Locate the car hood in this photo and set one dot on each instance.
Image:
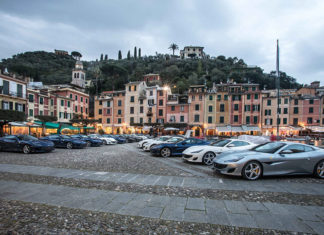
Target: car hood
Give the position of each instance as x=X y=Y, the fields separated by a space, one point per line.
x=239 y=154
x=43 y=142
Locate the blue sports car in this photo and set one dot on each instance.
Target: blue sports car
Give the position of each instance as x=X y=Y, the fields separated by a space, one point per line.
x=65 y=141
x=25 y=143
x=176 y=149
x=90 y=141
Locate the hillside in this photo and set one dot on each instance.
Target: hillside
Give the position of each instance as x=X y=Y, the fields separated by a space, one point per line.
x=53 y=69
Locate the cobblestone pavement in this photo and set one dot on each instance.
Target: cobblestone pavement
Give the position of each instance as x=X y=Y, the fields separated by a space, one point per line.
x=69 y=192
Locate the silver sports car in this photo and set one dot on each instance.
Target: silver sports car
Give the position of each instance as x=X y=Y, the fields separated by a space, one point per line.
x=274 y=158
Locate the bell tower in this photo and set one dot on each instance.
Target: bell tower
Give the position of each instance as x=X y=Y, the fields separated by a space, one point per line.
x=78 y=75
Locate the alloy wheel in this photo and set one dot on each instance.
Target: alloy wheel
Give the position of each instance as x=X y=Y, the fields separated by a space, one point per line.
x=208 y=158
x=165 y=152
x=26 y=149
x=320 y=169
x=252 y=171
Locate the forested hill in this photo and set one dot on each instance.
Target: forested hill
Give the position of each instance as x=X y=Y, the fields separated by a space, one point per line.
x=113 y=74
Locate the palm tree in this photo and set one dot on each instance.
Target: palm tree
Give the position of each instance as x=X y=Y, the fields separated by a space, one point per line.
x=173 y=47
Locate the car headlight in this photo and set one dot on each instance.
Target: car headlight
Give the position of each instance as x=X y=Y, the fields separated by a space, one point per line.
x=234 y=160
x=197 y=151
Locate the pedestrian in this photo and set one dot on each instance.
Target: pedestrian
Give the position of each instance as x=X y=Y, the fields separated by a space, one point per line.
x=272 y=137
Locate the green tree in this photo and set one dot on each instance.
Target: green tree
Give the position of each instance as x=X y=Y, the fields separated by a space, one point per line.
x=7 y=116
x=76 y=55
x=128 y=55
x=173 y=47
x=106 y=57
x=101 y=57
x=135 y=53
x=120 y=55
x=44 y=119
x=139 y=53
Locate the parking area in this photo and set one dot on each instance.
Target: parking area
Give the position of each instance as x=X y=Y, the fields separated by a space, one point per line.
x=142 y=194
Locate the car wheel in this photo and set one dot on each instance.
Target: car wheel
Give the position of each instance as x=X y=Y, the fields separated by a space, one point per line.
x=165 y=152
x=26 y=149
x=208 y=158
x=88 y=143
x=319 y=169
x=69 y=145
x=252 y=170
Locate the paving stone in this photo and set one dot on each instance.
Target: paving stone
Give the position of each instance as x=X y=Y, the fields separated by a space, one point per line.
x=292 y=223
x=302 y=212
x=255 y=206
x=176 y=181
x=317 y=227
x=173 y=213
x=124 y=197
x=196 y=204
x=214 y=204
x=195 y=216
x=158 y=201
x=264 y=219
x=236 y=207
x=275 y=208
x=217 y=216
x=150 y=211
x=112 y=207
x=177 y=202
x=242 y=220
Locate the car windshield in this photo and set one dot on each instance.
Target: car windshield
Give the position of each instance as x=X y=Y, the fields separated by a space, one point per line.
x=269 y=147
x=174 y=139
x=220 y=143
x=84 y=136
x=65 y=137
x=27 y=137
x=163 y=138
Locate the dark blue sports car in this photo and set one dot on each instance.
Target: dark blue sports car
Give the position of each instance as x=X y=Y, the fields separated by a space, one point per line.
x=65 y=141
x=120 y=140
x=176 y=149
x=90 y=141
x=25 y=143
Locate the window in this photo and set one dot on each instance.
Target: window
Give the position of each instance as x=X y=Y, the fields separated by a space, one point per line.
x=119 y=120
x=269 y=102
x=141 y=120
x=270 y=121
x=296 y=102
x=132 y=99
x=279 y=101
x=62 y=102
x=247 y=107
x=285 y=110
x=193 y=97
x=119 y=103
x=222 y=108
x=248 y=96
x=311 y=101
x=295 y=121
x=200 y=97
x=68 y=104
x=225 y=97
x=284 y=120
x=108 y=111
x=160 y=102
x=52 y=102
x=236 y=107
x=119 y=112
x=52 y=114
x=286 y=101
x=41 y=100
x=100 y=102
x=197 y=107
x=219 y=97
x=196 y=118
x=151 y=93
x=256 y=96
x=108 y=104
x=255 y=119
x=81 y=99
x=31 y=112
x=131 y=110
x=141 y=102
x=210 y=97
x=160 y=93
x=130 y=88
x=100 y=120
x=71 y=96
x=86 y=101
x=279 y=110
x=311 y=110
x=76 y=97
x=235 y=118
x=221 y=119
x=295 y=110
x=134 y=88
x=172 y=108
x=181 y=108
x=278 y=121
x=141 y=109
x=295 y=148
x=76 y=108
x=247 y=120
x=108 y=120
x=253 y=88
x=100 y=111
x=30 y=98
x=19 y=90
x=210 y=119
x=210 y=108
x=172 y=119
x=309 y=120
x=160 y=112
x=5 y=89
x=181 y=118
x=131 y=120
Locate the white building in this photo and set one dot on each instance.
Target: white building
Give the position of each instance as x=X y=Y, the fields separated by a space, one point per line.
x=190 y=52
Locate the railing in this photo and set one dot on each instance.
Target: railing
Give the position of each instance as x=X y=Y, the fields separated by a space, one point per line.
x=11 y=93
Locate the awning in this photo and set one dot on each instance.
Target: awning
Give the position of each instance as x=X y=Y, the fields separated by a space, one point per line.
x=17 y=124
x=49 y=125
x=237 y=129
x=251 y=128
x=70 y=127
x=171 y=129
x=295 y=128
x=223 y=128
x=316 y=128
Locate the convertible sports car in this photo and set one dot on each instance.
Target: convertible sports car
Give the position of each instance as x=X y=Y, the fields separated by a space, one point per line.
x=274 y=158
x=161 y=138
x=206 y=154
x=176 y=149
x=25 y=143
x=90 y=141
x=105 y=140
x=65 y=141
x=147 y=147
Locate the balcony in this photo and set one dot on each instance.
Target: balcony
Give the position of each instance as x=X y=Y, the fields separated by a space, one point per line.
x=149 y=114
x=12 y=94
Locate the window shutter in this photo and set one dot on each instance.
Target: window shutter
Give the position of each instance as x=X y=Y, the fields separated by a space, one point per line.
x=11 y=106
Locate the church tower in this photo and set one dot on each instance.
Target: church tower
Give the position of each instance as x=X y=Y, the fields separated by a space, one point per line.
x=78 y=75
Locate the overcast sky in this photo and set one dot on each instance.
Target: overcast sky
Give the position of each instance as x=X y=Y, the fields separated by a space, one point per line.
x=246 y=29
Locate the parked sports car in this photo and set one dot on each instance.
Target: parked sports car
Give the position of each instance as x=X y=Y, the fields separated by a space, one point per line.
x=65 y=141
x=176 y=149
x=119 y=139
x=90 y=141
x=274 y=158
x=25 y=143
x=147 y=147
x=105 y=140
x=206 y=154
x=161 y=138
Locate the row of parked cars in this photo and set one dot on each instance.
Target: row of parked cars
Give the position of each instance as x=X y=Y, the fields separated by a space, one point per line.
x=28 y=144
x=250 y=159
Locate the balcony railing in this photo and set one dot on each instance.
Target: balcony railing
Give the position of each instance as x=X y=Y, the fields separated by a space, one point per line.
x=11 y=93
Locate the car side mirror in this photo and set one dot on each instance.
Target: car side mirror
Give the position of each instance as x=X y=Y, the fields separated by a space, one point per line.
x=287 y=151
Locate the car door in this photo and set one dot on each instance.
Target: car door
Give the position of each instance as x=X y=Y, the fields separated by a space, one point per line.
x=10 y=143
x=180 y=147
x=55 y=139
